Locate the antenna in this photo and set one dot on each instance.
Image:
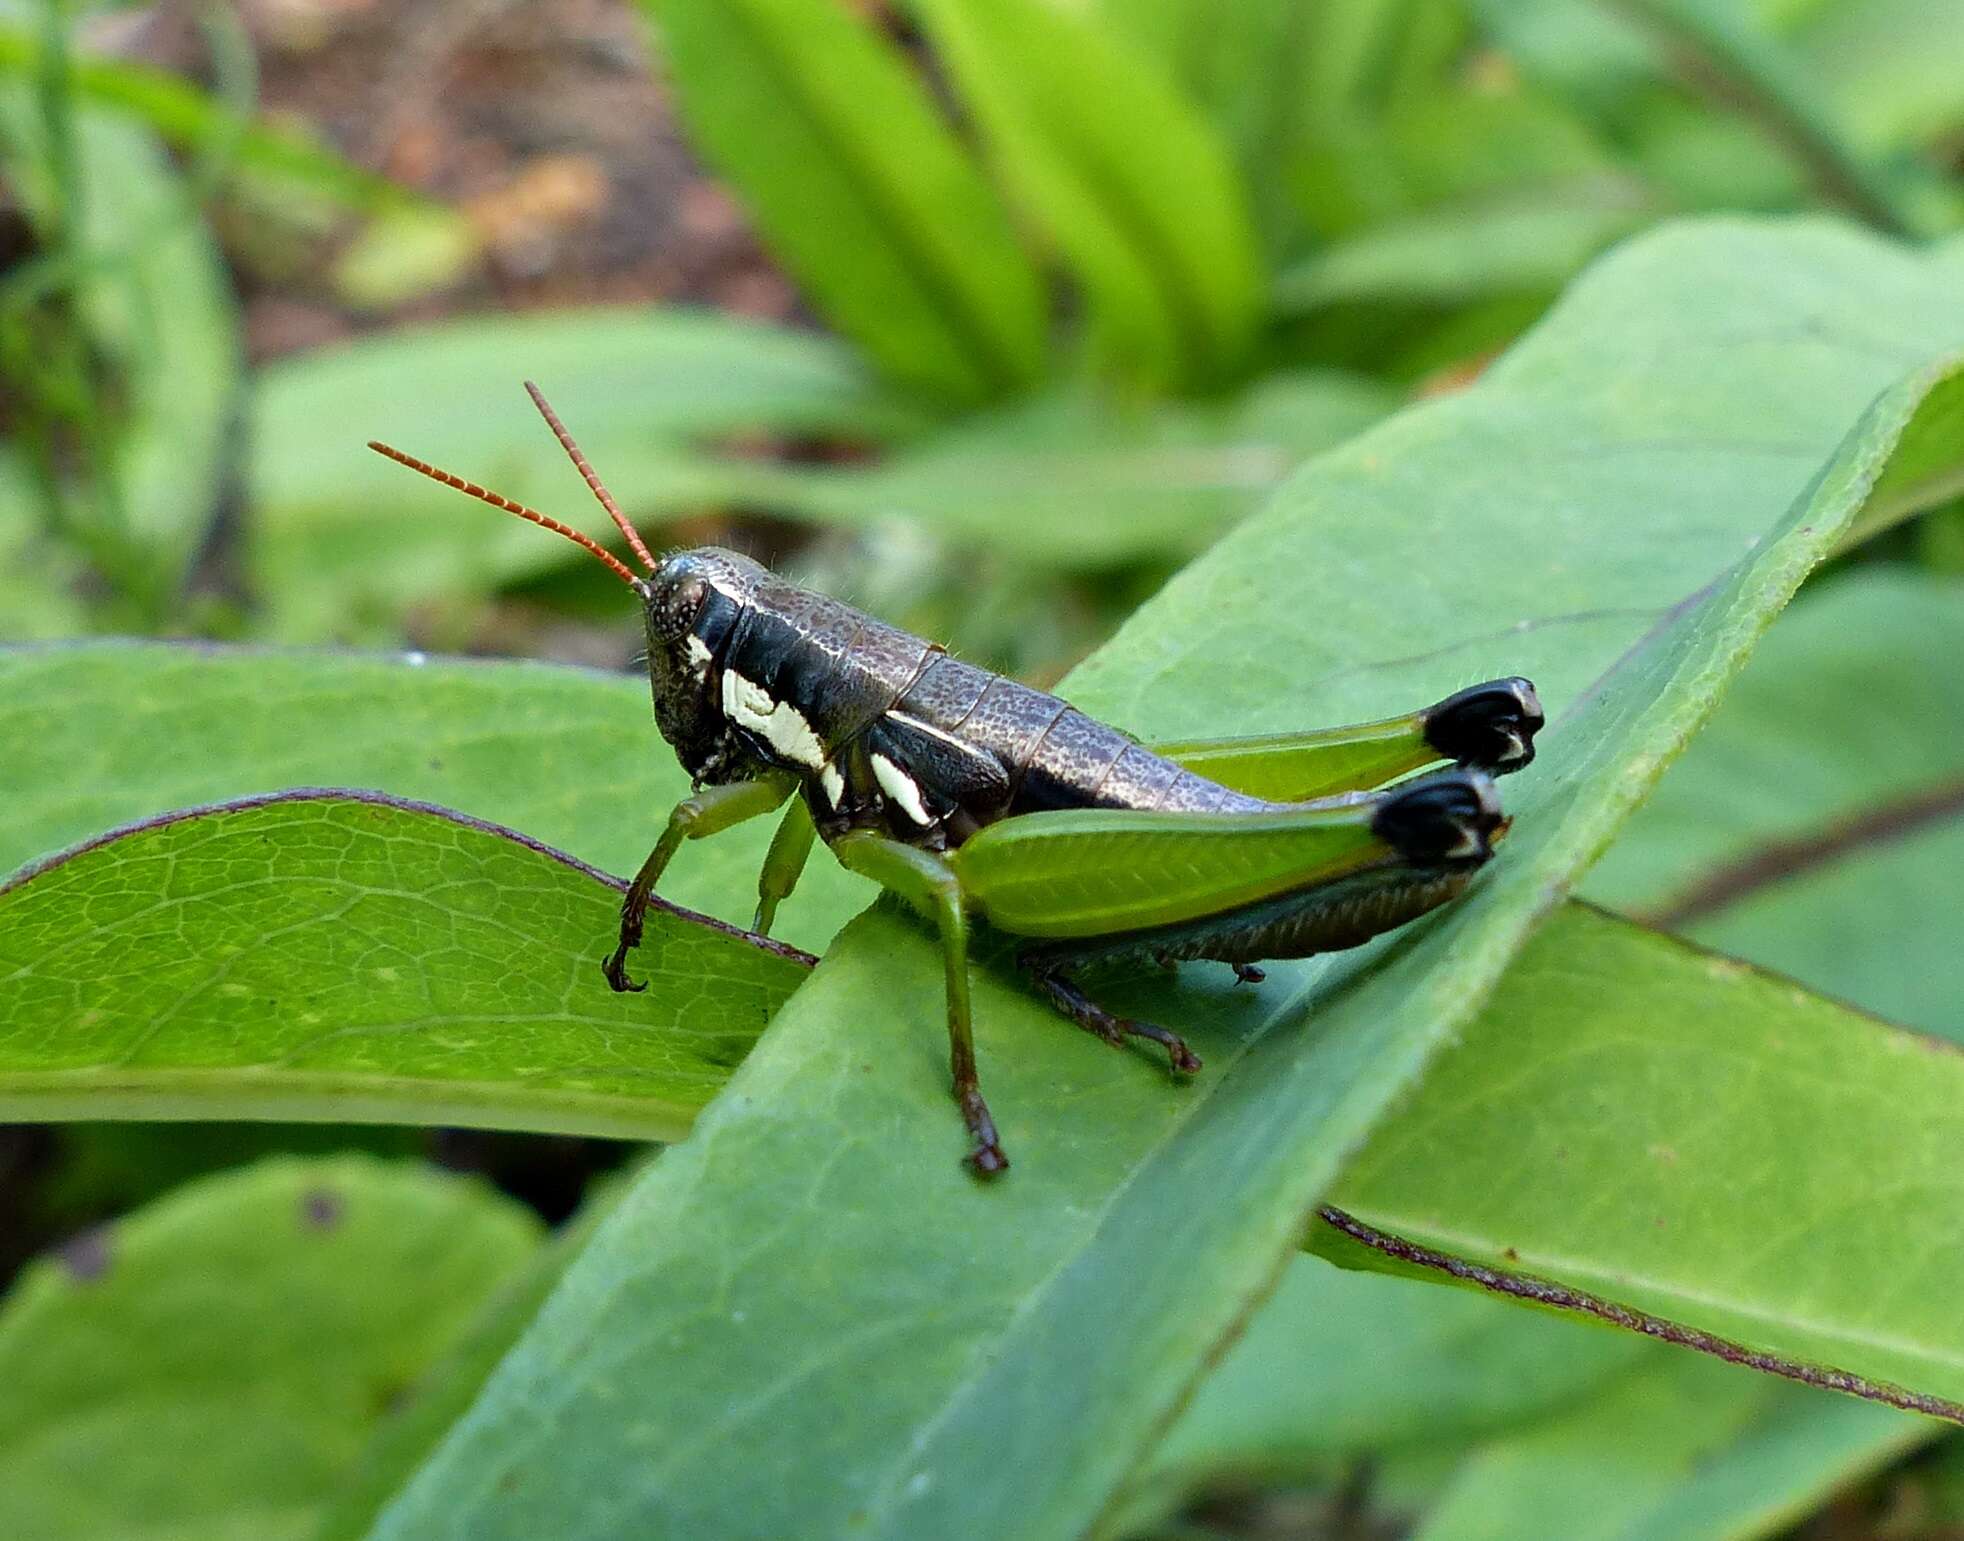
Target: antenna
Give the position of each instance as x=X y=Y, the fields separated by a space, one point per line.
x=606 y=498
x=483 y=495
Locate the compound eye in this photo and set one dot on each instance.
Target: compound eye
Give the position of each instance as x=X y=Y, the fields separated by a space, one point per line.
x=676 y=605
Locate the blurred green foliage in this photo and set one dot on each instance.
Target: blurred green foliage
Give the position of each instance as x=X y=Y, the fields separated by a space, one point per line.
x=1089 y=280
x=1065 y=218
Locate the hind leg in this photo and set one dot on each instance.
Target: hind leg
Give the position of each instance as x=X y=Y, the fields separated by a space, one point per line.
x=1063 y=993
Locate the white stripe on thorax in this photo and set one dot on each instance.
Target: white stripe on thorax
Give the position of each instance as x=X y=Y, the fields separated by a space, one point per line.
x=778 y=723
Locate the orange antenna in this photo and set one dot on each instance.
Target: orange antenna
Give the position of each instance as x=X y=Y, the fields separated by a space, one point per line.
x=606 y=498
x=483 y=495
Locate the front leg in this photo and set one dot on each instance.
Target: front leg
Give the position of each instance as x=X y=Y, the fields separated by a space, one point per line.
x=926 y=881
x=784 y=863
x=708 y=812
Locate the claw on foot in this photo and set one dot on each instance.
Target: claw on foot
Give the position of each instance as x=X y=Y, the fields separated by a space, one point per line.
x=987 y=1158
x=615 y=968
x=1248 y=974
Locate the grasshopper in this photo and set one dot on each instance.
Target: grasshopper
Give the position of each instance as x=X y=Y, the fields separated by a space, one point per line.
x=974 y=797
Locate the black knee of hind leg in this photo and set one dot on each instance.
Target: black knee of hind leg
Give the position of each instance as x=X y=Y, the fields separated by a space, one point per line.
x=1447 y=819
x=1491 y=725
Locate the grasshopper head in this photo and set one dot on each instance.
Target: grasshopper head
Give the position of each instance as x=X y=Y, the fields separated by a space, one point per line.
x=691 y=601
x=1448 y=820
x=1491 y=725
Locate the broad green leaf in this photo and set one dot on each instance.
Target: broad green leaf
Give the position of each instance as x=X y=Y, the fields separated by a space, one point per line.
x=1681 y=1450
x=1554 y=1428
x=402 y=1441
x=1818 y=827
x=860 y=188
x=332 y=957
x=569 y=755
x=1551 y=1427
x=1124 y=174
x=342 y=537
x=210 y=1367
x=1756 y=1170
x=1616 y=509
x=1831 y=721
x=112 y=732
x=1340 y=1365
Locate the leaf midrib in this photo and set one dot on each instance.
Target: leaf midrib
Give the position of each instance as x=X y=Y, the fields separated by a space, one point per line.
x=1618 y=1286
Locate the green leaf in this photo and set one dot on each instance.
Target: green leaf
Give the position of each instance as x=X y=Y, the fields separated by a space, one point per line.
x=1129 y=180
x=402 y=1441
x=334 y=957
x=1789 y=766
x=1616 y=509
x=1553 y=1427
x=1340 y=1365
x=1740 y=1193
x=860 y=188
x=109 y=733
x=344 y=539
x=1681 y=1450
x=1815 y=828
x=210 y=1367
x=1563 y=1429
